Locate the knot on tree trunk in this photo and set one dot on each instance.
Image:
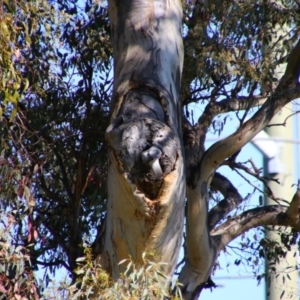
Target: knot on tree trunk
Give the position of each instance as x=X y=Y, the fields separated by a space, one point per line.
x=144 y=145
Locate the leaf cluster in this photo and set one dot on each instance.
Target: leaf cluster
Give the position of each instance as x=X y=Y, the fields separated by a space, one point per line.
x=233 y=47
x=17 y=279
x=137 y=282
x=18 y=24
x=53 y=156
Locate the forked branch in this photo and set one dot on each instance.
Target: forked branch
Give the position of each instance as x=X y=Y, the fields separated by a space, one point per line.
x=201 y=247
x=260 y=216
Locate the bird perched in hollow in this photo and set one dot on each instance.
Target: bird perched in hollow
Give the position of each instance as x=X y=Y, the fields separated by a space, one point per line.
x=151 y=157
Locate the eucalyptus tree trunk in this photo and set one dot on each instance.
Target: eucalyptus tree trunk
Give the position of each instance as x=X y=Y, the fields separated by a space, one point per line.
x=151 y=172
x=146 y=181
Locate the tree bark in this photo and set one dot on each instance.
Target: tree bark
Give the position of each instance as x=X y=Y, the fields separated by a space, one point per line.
x=201 y=248
x=146 y=181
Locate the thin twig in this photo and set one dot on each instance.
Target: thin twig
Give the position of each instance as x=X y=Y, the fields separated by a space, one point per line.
x=284 y=122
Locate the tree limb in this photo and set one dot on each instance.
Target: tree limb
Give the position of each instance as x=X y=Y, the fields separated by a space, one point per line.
x=218 y=152
x=292 y=211
x=193 y=140
x=231 y=201
x=50 y=194
x=255 y=173
x=284 y=122
x=201 y=249
x=260 y=216
x=240 y=103
x=55 y=263
x=201 y=252
x=227 y=105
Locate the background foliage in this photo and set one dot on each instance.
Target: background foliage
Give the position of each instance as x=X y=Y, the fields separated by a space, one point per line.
x=55 y=87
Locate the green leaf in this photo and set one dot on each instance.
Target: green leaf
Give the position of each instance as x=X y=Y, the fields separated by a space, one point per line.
x=79 y=259
x=134 y=286
x=122 y=261
x=26 y=84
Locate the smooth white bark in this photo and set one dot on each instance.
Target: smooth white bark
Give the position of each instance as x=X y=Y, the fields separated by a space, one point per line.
x=146 y=182
x=201 y=248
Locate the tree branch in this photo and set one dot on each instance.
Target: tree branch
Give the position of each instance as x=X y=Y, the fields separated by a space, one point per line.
x=284 y=122
x=260 y=216
x=50 y=194
x=218 y=152
x=231 y=201
x=292 y=211
x=227 y=105
x=201 y=252
x=201 y=248
x=55 y=263
x=240 y=103
x=193 y=140
x=255 y=173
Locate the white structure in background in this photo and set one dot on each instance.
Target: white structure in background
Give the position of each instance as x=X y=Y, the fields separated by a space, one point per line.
x=270 y=149
x=277 y=146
